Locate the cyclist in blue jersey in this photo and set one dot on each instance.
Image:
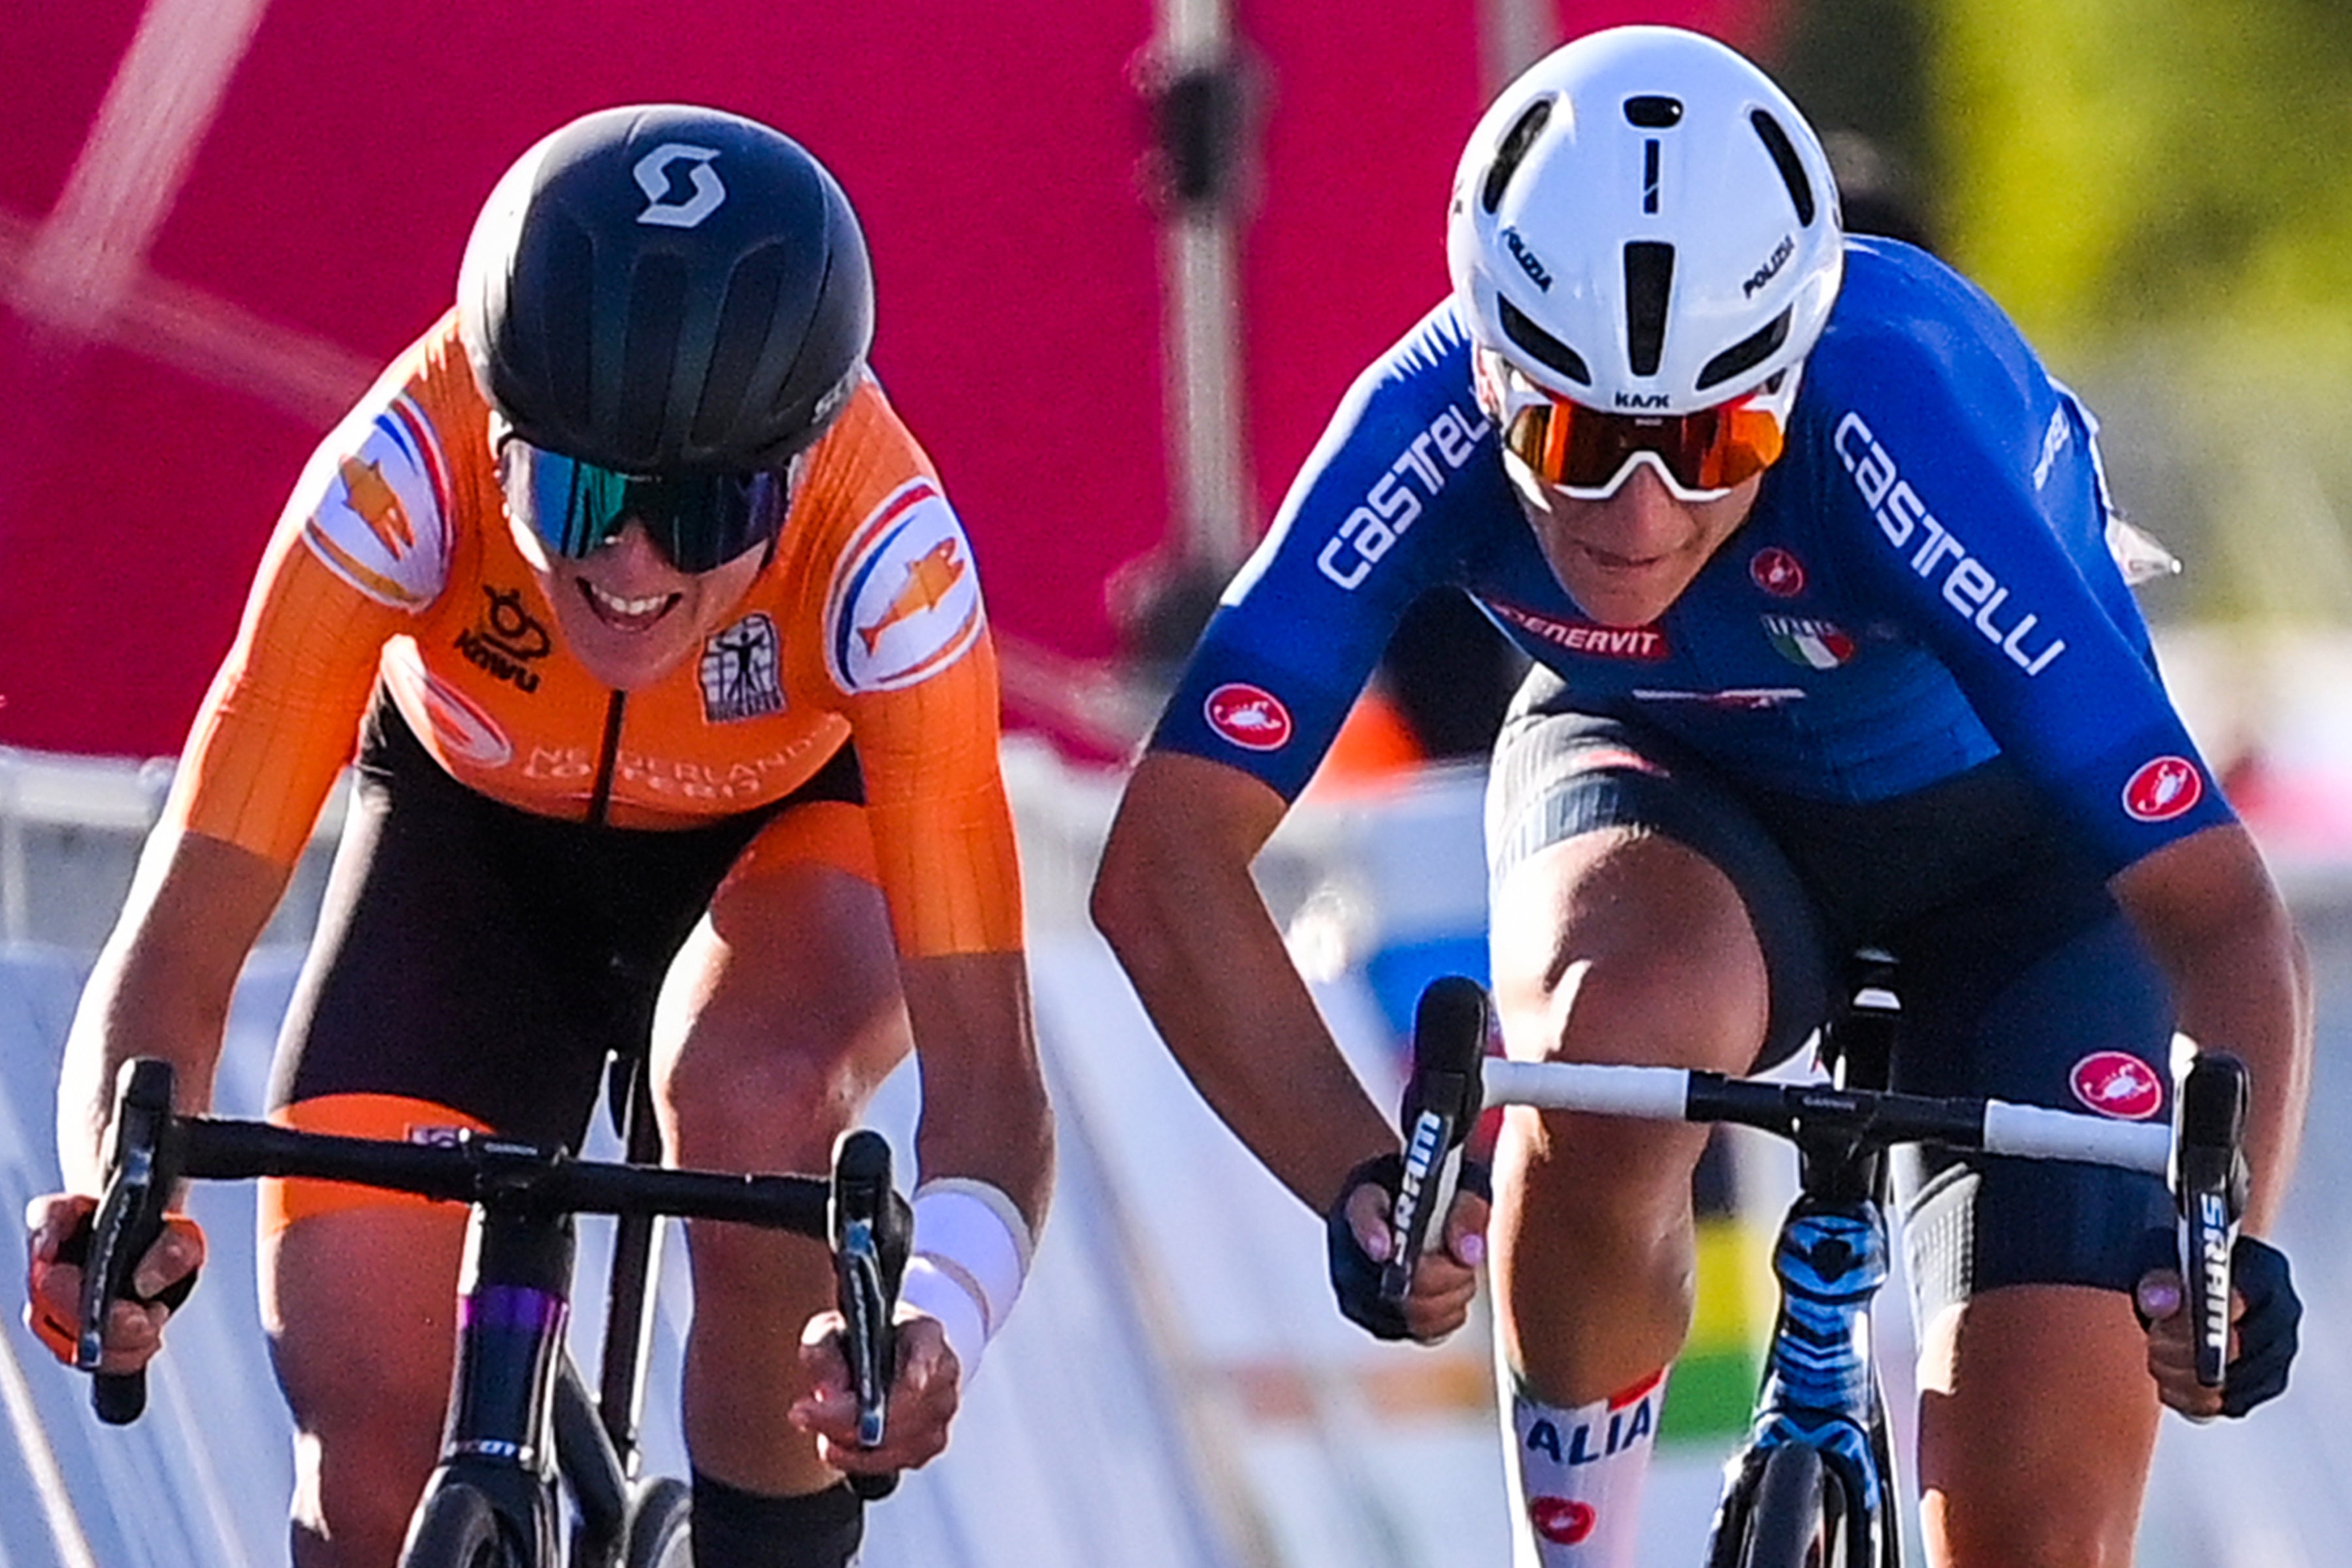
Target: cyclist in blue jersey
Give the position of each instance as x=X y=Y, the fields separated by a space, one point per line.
x=1817 y=566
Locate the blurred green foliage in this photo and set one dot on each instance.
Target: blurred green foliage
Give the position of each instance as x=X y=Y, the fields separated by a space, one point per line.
x=2112 y=166
x=2160 y=193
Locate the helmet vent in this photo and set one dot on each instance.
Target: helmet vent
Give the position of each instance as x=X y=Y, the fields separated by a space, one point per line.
x=565 y=276
x=1542 y=345
x=754 y=293
x=1784 y=158
x=1649 y=283
x=656 y=314
x=1752 y=350
x=1511 y=153
x=1652 y=112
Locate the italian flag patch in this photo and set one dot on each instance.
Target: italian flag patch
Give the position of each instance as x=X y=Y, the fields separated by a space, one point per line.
x=1816 y=645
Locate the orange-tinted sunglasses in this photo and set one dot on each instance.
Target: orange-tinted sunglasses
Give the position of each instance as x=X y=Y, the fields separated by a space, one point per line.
x=1590 y=454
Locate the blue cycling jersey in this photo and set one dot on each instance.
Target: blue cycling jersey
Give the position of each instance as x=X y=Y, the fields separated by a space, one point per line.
x=1924 y=582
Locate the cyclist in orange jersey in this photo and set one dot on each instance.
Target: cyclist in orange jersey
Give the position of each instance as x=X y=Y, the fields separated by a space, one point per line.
x=676 y=723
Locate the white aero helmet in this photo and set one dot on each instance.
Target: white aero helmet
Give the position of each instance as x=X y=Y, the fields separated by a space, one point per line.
x=1644 y=222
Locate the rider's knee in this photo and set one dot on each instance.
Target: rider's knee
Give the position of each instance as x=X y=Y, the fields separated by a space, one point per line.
x=1635 y=951
x=775 y=1106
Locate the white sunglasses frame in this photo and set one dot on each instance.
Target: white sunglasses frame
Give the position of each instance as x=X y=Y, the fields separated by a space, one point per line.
x=1496 y=381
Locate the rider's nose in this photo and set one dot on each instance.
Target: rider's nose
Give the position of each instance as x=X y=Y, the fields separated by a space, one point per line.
x=1643 y=515
x=631 y=548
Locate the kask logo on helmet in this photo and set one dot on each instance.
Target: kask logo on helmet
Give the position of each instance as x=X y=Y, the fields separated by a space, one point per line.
x=655 y=176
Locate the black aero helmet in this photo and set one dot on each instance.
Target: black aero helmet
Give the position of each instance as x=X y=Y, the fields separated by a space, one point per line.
x=661 y=287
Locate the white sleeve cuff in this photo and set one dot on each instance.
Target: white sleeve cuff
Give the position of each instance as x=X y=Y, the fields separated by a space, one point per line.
x=972 y=1250
x=930 y=1289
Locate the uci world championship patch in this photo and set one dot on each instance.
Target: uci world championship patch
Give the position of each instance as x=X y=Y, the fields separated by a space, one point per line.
x=905 y=601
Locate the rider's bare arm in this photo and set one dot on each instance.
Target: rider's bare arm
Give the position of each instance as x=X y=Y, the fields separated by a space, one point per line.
x=984 y=1108
x=161 y=988
x=1176 y=900
x=162 y=983
x=2240 y=980
x=985 y=1120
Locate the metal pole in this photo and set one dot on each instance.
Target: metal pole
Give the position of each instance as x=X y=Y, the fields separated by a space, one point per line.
x=1199 y=93
x=1512 y=35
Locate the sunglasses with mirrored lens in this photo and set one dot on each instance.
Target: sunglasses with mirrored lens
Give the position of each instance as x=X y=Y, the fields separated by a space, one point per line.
x=1589 y=454
x=698 y=521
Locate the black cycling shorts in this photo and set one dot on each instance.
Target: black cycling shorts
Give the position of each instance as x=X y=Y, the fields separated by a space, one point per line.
x=2020 y=976
x=486 y=959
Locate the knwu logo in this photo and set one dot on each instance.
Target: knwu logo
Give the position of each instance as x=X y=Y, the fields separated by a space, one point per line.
x=655 y=177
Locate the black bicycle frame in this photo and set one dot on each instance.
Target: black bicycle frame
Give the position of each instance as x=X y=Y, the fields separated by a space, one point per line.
x=514 y=1307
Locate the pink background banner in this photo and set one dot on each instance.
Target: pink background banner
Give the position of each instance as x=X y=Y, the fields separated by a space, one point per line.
x=219 y=218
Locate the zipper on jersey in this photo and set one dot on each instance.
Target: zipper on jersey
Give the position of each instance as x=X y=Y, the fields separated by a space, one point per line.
x=600 y=803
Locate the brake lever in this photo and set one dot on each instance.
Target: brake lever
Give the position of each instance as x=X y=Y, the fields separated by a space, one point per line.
x=2209 y=1182
x=1441 y=1100
x=140 y=1176
x=869 y=1224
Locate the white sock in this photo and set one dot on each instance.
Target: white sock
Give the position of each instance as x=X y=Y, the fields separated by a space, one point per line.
x=1576 y=1476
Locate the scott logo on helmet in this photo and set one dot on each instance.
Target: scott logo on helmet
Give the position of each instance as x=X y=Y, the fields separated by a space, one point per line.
x=654 y=176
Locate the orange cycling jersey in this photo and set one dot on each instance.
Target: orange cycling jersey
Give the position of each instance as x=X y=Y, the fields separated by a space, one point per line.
x=396 y=562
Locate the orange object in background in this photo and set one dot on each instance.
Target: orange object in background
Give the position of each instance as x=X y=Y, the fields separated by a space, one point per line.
x=1375 y=748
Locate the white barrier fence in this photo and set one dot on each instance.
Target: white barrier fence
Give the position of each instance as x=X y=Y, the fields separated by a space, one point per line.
x=1176 y=1391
